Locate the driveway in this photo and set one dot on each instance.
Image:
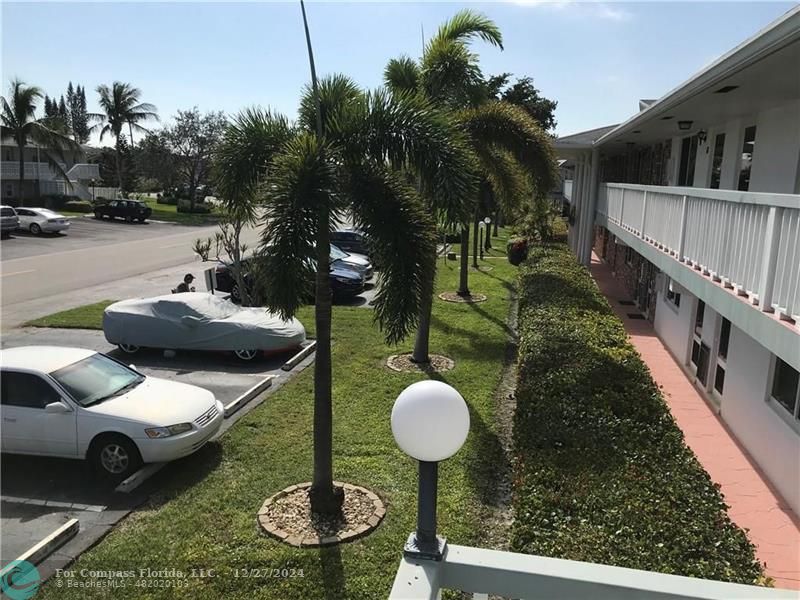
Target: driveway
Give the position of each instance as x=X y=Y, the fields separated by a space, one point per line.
x=41 y=494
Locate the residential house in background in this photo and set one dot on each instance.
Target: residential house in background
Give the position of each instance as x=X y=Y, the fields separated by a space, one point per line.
x=694 y=202
x=41 y=179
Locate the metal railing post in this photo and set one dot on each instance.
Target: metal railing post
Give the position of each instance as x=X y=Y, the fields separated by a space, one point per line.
x=770 y=258
x=682 y=235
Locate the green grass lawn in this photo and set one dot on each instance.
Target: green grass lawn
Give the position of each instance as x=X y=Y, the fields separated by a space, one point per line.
x=89 y=316
x=168 y=212
x=204 y=514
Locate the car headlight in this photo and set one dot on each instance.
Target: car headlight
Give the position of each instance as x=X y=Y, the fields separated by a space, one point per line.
x=162 y=432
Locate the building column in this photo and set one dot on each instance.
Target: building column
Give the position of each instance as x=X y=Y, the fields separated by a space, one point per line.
x=577 y=197
x=585 y=255
x=583 y=217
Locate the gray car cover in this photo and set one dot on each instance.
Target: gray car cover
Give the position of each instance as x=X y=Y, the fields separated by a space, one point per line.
x=198 y=321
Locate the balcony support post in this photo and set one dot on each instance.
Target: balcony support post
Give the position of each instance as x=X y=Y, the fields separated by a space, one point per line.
x=682 y=235
x=621 y=207
x=644 y=216
x=590 y=206
x=770 y=258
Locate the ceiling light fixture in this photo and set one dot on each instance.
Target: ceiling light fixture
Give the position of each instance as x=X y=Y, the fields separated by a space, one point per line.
x=685 y=125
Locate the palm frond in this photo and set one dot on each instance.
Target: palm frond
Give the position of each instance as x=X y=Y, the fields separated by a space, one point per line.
x=336 y=93
x=391 y=213
x=466 y=25
x=509 y=181
x=240 y=161
x=402 y=75
x=450 y=72
x=302 y=181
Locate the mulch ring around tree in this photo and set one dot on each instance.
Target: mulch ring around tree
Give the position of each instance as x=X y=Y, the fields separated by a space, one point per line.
x=454 y=297
x=482 y=268
x=403 y=364
x=287 y=517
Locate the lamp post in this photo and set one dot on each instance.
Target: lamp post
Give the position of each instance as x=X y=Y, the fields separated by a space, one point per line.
x=481 y=225
x=430 y=422
x=488 y=240
x=93 y=184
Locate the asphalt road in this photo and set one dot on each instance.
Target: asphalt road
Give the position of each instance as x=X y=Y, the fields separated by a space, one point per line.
x=92 y=253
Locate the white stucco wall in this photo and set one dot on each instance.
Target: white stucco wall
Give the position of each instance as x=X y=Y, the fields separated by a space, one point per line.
x=673 y=325
x=773 y=444
x=777 y=149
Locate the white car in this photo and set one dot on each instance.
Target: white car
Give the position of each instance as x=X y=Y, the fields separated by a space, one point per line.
x=77 y=403
x=38 y=220
x=356 y=262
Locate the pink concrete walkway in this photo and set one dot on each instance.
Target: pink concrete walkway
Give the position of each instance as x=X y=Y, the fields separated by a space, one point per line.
x=754 y=504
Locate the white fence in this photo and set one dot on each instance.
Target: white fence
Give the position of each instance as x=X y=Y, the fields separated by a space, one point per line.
x=748 y=241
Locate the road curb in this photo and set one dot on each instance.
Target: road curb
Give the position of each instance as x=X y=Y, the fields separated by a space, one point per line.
x=138 y=478
x=295 y=360
x=254 y=391
x=47 y=546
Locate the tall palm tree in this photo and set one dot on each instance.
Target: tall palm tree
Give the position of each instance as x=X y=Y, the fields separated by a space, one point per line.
x=357 y=167
x=121 y=105
x=448 y=75
x=20 y=123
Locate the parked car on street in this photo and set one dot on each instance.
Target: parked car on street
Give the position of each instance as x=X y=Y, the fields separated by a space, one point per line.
x=351 y=240
x=357 y=262
x=41 y=220
x=77 y=403
x=346 y=281
x=9 y=220
x=130 y=210
x=199 y=321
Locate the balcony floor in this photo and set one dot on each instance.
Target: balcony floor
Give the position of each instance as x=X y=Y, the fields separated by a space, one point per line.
x=754 y=504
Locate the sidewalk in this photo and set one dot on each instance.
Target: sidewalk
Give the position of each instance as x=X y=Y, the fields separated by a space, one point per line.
x=754 y=504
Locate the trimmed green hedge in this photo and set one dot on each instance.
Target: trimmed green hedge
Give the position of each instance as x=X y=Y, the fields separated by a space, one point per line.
x=602 y=473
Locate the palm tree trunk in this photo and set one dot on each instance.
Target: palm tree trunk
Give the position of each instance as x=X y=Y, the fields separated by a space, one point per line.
x=119 y=165
x=21 y=172
x=475 y=227
x=322 y=495
x=463 y=279
x=422 y=341
x=130 y=130
x=487 y=242
x=496 y=223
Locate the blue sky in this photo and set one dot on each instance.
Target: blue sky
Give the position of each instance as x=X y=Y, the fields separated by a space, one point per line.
x=595 y=58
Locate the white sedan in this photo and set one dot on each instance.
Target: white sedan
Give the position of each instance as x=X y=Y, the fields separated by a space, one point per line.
x=76 y=403
x=38 y=220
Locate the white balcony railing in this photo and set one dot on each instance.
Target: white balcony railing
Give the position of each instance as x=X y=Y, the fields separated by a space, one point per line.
x=9 y=169
x=84 y=172
x=748 y=241
x=568 y=189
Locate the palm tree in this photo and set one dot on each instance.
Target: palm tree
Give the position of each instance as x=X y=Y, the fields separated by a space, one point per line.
x=448 y=75
x=121 y=104
x=307 y=181
x=20 y=123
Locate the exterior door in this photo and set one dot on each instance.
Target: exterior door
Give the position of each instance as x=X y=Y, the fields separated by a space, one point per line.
x=26 y=427
x=688 y=159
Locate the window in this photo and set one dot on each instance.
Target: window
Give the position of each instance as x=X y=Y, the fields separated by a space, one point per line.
x=716 y=161
x=748 y=146
x=9 y=190
x=629 y=255
x=724 y=338
x=785 y=387
x=670 y=293
x=698 y=320
x=719 y=379
x=688 y=158
x=695 y=353
x=26 y=390
x=96 y=378
x=8 y=155
x=702 y=363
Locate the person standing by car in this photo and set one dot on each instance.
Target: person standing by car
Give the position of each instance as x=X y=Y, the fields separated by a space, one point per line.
x=185 y=285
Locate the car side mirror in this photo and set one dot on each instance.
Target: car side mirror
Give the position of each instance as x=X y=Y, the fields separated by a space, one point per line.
x=57 y=408
x=132 y=367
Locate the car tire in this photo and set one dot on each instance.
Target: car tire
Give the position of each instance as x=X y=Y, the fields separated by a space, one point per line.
x=129 y=348
x=236 y=298
x=141 y=219
x=35 y=229
x=114 y=456
x=129 y=219
x=246 y=355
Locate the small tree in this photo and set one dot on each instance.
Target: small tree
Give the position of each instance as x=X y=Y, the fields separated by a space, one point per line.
x=154 y=160
x=192 y=140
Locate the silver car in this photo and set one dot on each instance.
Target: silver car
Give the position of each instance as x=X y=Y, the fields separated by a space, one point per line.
x=8 y=220
x=41 y=220
x=355 y=262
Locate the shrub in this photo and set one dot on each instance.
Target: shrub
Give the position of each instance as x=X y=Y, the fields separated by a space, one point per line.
x=602 y=473
x=57 y=201
x=199 y=209
x=517 y=250
x=80 y=206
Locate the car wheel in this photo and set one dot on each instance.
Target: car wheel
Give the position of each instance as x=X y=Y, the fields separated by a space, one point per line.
x=129 y=219
x=114 y=456
x=35 y=229
x=128 y=348
x=141 y=219
x=246 y=355
x=235 y=296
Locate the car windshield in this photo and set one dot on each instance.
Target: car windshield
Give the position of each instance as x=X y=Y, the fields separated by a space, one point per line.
x=96 y=378
x=337 y=253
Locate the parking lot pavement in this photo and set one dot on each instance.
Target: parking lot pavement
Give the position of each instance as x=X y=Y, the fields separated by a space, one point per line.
x=40 y=494
x=86 y=232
